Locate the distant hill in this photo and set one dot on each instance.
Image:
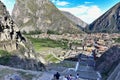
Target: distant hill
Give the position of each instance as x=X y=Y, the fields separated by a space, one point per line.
x=42 y=15
x=108 y=22
x=75 y=19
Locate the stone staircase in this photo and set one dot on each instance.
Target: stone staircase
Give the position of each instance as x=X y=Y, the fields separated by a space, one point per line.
x=85 y=72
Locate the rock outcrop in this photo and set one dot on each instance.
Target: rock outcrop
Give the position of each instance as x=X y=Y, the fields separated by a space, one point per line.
x=75 y=19
x=9 y=33
x=109 y=60
x=108 y=22
x=41 y=15
x=21 y=54
x=115 y=75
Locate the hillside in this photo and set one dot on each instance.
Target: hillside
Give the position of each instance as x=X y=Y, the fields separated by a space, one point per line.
x=108 y=22
x=75 y=19
x=41 y=16
x=115 y=75
x=107 y=63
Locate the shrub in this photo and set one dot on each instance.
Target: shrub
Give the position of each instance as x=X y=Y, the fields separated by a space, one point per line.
x=52 y=32
x=4 y=57
x=32 y=32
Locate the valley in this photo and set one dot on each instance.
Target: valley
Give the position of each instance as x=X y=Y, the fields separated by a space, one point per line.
x=37 y=40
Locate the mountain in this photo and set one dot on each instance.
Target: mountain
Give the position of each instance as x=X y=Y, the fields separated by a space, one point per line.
x=115 y=75
x=107 y=63
x=108 y=22
x=75 y=19
x=41 y=15
x=15 y=49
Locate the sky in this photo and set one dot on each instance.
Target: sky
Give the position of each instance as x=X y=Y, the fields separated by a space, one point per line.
x=9 y=4
x=87 y=10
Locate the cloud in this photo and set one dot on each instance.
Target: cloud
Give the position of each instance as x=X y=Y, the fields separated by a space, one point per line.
x=88 y=2
x=86 y=13
x=60 y=3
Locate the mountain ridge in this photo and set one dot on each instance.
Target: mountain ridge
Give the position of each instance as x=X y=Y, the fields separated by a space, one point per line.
x=42 y=17
x=108 y=22
x=75 y=19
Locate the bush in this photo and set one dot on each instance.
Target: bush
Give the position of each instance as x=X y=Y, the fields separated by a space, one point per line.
x=32 y=32
x=4 y=57
x=117 y=40
x=52 y=32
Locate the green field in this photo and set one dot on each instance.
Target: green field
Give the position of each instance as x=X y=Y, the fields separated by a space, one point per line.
x=40 y=44
x=52 y=58
x=50 y=49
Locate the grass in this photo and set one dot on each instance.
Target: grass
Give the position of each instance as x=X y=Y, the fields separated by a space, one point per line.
x=32 y=32
x=48 y=43
x=45 y=44
x=4 y=57
x=52 y=32
x=117 y=40
x=51 y=58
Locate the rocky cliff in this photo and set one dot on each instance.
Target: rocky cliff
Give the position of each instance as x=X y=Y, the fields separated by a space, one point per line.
x=15 y=49
x=41 y=15
x=115 y=75
x=108 y=61
x=108 y=22
x=75 y=19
